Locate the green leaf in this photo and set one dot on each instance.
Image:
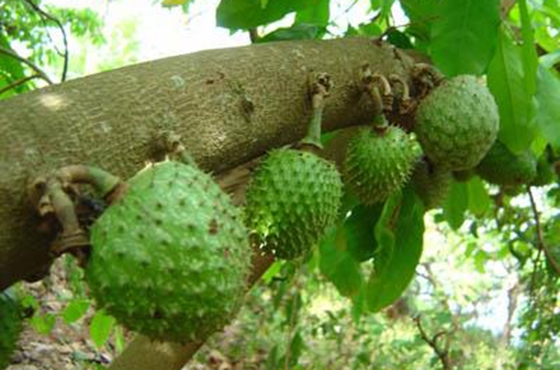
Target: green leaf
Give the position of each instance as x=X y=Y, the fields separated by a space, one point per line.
x=456 y=204
x=529 y=52
x=395 y=267
x=464 y=36
x=272 y=271
x=338 y=265
x=479 y=200
x=506 y=80
x=422 y=14
x=359 y=231
x=296 y=32
x=317 y=14
x=296 y=348
x=29 y=302
x=43 y=324
x=100 y=328
x=120 y=341
x=480 y=261
x=75 y=310
x=548 y=98
x=549 y=60
x=247 y=14
x=384 y=6
x=399 y=39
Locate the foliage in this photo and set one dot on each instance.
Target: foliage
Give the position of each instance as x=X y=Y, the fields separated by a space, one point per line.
x=28 y=28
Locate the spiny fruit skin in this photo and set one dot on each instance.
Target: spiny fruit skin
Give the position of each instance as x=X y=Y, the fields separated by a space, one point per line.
x=502 y=167
x=431 y=183
x=293 y=198
x=457 y=123
x=171 y=258
x=379 y=163
x=10 y=326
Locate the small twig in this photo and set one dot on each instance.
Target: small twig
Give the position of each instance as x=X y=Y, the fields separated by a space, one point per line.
x=61 y=27
x=442 y=354
x=29 y=63
x=17 y=83
x=540 y=238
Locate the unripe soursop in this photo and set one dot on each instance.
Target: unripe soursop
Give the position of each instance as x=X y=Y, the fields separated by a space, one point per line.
x=293 y=198
x=432 y=184
x=10 y=326
x=171 y=258
x=457 y=123
x=502 y=167
x=546 y=173
x=379 y=161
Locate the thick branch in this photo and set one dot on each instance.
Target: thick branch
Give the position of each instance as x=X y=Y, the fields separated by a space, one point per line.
x=229 y=106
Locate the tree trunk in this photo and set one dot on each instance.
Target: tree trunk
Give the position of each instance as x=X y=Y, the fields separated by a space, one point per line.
x=228 y=106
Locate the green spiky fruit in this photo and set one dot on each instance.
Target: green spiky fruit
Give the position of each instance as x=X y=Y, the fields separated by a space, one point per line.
x=378 y=162
x=10 y=326
x=293 y=198
x=457 y=123
x=500 y=166
x=545 y=172
x=431 y=183
x=170 y=259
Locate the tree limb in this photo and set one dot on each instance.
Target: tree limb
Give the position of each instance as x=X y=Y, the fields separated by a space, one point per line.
x=441 y=353
x=46 y=15
x=540 y=237
x=229 y=106
x=17 y=83
x=27 y=62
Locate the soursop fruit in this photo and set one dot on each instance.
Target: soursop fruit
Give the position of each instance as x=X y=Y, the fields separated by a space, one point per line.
x=502 y=167
x=457 y=123
x=171 y=258
x=293 y=198
x=10 y=326
x=379 y=161
x=545 y=172
x=463 y=175
x=431 y=183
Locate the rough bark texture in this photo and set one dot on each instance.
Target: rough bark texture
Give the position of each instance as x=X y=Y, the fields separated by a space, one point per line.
x=228 y=106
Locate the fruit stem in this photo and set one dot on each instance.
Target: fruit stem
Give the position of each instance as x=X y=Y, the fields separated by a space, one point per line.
x=319 y=90
x=379 y=90
x=101 y=180
x=73 y=238
x=426 y=77
x=173 y=146
x=405 y=102
x=380 y=124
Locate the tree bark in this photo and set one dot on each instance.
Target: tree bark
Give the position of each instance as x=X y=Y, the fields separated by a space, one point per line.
x=228 y=106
